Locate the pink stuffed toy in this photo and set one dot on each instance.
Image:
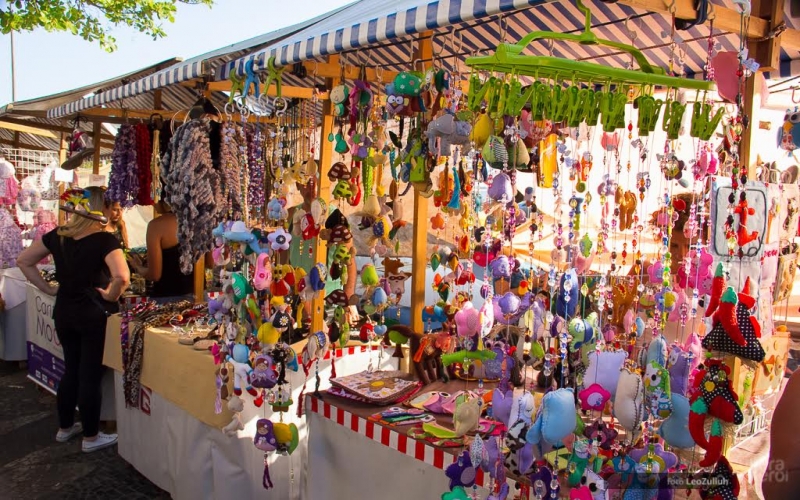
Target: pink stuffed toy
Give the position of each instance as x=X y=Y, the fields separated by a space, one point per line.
x=699 y=275
x=467 y=321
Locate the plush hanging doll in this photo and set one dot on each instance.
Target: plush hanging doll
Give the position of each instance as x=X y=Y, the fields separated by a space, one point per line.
x=747 y=326
x=723 y=483
x=743 y=236
x=713 y=396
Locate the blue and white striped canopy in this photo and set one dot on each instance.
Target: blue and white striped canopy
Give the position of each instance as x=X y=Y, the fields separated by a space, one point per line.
x=380 y=33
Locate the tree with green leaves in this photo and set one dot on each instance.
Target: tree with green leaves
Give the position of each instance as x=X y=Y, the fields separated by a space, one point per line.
x=90 y=19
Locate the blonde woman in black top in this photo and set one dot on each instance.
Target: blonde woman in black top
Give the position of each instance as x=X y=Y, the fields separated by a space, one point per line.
x=92 y=275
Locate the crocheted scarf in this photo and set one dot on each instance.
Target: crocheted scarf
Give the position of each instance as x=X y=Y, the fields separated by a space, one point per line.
x=195 y=190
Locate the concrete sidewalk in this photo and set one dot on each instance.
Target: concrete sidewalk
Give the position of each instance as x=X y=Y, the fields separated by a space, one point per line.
x=34 y=466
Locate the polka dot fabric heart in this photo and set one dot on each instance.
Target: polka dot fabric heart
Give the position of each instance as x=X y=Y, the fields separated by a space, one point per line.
x=723 y=483
x=719 y=340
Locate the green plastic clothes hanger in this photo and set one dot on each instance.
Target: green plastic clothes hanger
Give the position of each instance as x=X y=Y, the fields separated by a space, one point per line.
x=508 y=58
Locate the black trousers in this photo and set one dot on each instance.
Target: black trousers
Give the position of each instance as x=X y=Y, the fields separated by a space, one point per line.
x=82 y=335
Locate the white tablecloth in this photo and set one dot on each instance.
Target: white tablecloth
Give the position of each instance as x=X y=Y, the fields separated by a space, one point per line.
x=192 y=460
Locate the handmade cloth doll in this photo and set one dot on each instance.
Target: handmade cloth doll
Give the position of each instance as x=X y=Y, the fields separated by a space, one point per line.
x=9 y=188
x=10 y=240
x=240 y=359
x=713 y=396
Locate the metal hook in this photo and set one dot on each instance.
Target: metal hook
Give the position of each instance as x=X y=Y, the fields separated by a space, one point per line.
x=671 y=7
x=794 y=100
x=502 y=25
x=711 y=12
x=316 y=67
x=632 y=33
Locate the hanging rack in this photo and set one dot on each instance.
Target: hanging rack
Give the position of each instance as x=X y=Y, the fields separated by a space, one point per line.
x=508 y=58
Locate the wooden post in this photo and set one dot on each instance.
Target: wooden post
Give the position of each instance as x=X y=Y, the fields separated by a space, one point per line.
x=98 y=128
x=324 y=187
x=62 y=157
x=200 y=280
x=767 y=54
x=419 y=245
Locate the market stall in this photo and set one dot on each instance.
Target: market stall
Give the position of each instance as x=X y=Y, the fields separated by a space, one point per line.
x=551 y=220
x=174 y=437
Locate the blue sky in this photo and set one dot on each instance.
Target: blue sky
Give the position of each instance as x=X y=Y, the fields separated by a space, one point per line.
x=47 y=63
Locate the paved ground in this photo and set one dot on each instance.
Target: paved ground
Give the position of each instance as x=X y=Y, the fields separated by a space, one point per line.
x=34 y=466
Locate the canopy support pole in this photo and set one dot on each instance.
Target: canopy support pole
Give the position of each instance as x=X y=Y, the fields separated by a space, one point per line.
x=419 y=246
x=324 y=187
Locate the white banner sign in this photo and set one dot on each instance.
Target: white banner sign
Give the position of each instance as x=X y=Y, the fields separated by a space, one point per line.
x=45 y=355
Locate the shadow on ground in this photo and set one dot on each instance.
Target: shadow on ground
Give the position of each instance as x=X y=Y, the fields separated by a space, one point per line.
x=34 y=466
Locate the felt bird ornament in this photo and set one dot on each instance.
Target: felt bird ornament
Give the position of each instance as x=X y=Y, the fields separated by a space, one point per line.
x=657 y=391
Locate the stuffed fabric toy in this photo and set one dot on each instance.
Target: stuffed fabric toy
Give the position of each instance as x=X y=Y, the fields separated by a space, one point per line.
x=467 y=415
x=542 y=483
x=583 y=330
x=629 y=401
x=675 y=429
x=522 y=408
x=730 y=331
x=657 y=351
x=555 y=419
x=713 y=396
x=604 y=369
x=657 y=391
x=594 y=398
x=502 y=401
x=679 y=365
x=724 y=484
x=566 y=307
x=462 y=472
x=240 y=359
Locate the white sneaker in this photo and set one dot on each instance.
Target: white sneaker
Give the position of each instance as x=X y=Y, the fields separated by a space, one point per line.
x=103 y=441
x=64 y=436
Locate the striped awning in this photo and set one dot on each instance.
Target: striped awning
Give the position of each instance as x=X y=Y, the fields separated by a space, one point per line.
x=376 y=32
x=197 y=67
x=370 y=22
x=182 y=72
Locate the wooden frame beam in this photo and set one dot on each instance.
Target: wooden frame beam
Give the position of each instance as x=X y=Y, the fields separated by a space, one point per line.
x=287 y=91
x=45 y=126
x=25 y=129
x=118 y=116
x=22 y=145
x=768 y=52
x=724 y=19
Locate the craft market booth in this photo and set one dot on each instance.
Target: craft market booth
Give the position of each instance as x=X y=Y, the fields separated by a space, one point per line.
x=460 y=249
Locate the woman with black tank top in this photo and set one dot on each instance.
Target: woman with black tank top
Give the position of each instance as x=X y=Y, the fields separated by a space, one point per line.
x=91 y=274
x=163 y=255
